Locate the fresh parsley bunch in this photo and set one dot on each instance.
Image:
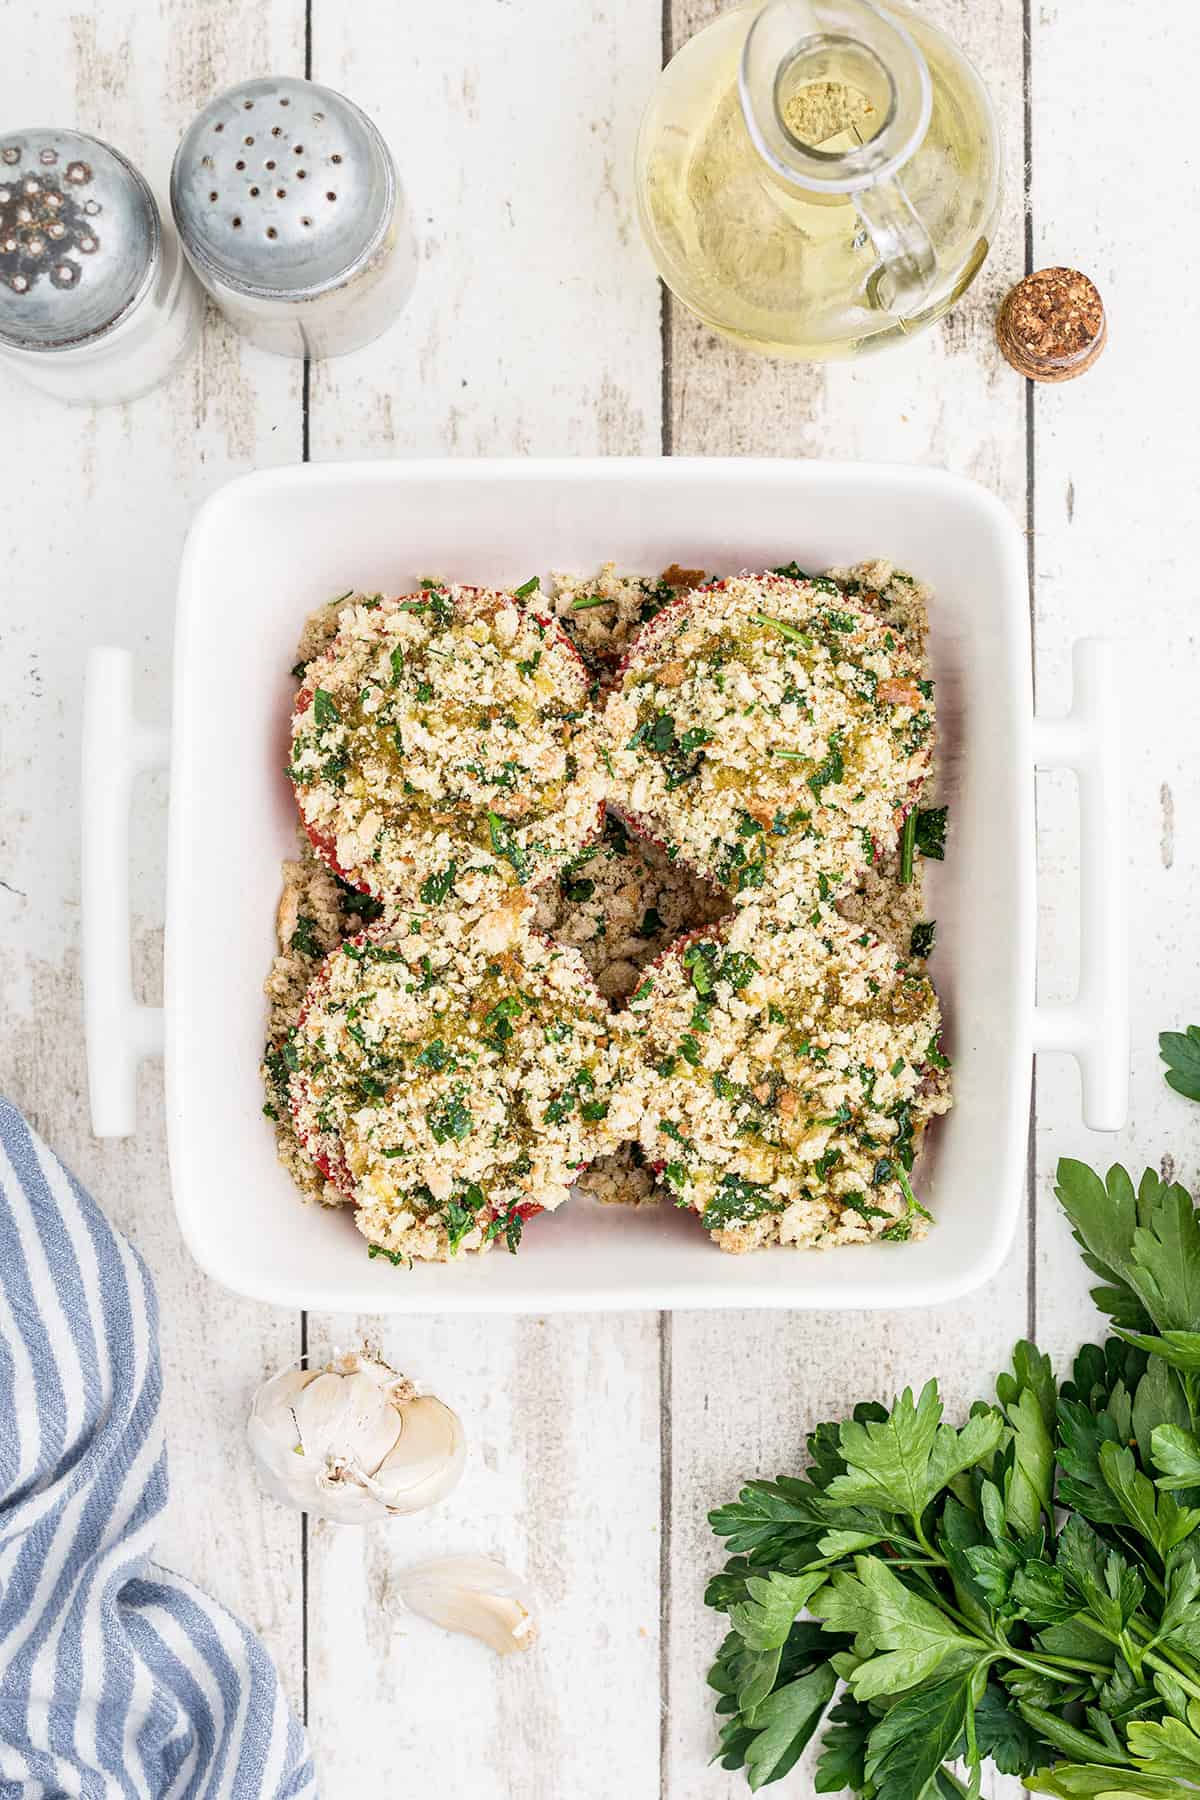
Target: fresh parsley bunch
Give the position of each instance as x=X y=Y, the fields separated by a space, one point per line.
x=1025 y=1590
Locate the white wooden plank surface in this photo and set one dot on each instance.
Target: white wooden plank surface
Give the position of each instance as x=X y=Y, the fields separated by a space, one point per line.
x=95 y=506
x=513 y=129
x=535 y=328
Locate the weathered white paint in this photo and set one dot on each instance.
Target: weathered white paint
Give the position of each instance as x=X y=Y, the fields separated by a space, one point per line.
x=535 y=327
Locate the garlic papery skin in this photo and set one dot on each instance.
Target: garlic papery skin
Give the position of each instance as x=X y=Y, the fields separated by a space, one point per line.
x=353 y=1441
x=473 y=1594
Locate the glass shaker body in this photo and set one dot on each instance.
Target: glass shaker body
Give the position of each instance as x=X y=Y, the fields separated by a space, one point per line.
x=290 y=210
x=97 y=305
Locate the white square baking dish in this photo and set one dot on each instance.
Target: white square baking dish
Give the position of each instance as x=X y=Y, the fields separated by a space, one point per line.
x=269 y=547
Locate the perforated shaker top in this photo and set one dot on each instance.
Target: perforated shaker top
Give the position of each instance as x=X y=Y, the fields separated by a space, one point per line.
x=79 y=238
x=282 y=189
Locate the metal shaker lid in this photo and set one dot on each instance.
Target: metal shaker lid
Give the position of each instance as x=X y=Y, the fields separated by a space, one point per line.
x=79 y=238
x=282 y=189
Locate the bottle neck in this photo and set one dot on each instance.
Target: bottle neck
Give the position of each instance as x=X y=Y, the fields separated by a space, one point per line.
x=835 y=93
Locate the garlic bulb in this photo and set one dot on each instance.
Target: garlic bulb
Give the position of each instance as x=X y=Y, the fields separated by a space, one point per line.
x=353 y=1441
x=473 y=1594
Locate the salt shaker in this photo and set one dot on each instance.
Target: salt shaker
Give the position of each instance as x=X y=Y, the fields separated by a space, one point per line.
x=96 y=303
x=290 y=211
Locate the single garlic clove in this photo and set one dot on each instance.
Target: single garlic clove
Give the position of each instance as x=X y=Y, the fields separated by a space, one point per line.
x=347 y=1415
x=475 y=1595
x=427 y=1459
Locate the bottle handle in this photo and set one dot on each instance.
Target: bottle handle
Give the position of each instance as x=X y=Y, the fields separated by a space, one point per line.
x=907 y=263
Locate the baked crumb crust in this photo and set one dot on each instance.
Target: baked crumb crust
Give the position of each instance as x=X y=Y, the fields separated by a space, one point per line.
x=620 y=902
x=770 y=732
x=442 y=747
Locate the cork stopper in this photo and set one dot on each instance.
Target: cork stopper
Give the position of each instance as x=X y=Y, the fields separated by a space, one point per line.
x=1051 y=326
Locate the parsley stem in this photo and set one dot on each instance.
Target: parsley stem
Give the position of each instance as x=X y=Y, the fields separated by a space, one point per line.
x=1169 y=1665
x=1073 y=1662
x=1173 y=1665
x=914 y=1205
x=784 y=630
x=1039 y=1664
x=925 y=1544
x=908 y=843
x=1163 y=1659
x=593 y=600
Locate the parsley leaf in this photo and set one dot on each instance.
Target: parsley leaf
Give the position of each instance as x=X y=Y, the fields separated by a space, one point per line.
x=765 y=1617
x=1170 y=1750
x=450 y=1118
x=435 y=888
x=924 y=935
x=1177 y=1453
x=931 y=831
x=504 y=844
x=844 y=1747
x=738 y=1201
x=304 y=939
x=900 y=1463
x=1180 y=1050
x=910 y=1743
x=497 y=1021
x=784 y=1723
x=324 y=710
x=831 y=770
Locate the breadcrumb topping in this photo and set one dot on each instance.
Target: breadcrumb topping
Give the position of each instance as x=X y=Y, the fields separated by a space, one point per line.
x=837 y=949
x=621 y=902
x=788 y=1074
x=603 y=613
x=770 y=731
x=454 y=1076
x=442 y=747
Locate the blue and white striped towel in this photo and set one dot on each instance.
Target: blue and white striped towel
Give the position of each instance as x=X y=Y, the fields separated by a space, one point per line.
x=116 y=1677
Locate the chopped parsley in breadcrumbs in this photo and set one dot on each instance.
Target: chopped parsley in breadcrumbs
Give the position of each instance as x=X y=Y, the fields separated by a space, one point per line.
x=603 y=613
x=316 y=913
x=451 y=1079
x=788 y=1074
x=621 y=902
x=442 y=747
x=770 y=733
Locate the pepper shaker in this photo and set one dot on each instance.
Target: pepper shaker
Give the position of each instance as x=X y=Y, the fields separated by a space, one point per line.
x=96 y=303
x=289 y=209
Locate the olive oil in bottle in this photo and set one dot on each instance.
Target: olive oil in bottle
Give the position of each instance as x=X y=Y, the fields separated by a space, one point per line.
x=818 y=178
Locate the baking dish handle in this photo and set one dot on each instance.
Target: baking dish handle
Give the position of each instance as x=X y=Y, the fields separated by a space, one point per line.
x=118 y=1030
x=1094 y=1027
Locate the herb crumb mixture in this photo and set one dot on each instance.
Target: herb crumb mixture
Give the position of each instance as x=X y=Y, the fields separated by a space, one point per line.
x=788 y=1074
x=316 y=913
x=768 y=723
x=813 y=1146
x=452 y=1079
x=621 y=902
x=603 y=613
x=440 y=746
